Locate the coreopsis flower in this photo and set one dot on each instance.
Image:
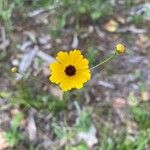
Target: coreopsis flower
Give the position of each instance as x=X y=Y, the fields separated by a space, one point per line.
x=120 y=48
x=70 y=70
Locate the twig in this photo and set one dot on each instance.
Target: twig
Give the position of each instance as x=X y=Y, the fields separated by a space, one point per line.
x=132 y=29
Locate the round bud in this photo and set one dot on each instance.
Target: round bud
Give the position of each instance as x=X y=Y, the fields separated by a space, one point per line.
x=120 y=48
x=14 y=69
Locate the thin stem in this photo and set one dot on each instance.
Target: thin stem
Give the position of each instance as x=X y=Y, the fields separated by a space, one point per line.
x=104 y=61
x=65 y=120
x=33 y=77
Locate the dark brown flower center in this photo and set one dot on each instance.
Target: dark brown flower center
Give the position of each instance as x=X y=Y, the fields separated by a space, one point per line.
x=70 y=70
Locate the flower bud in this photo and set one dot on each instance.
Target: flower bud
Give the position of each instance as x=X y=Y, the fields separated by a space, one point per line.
x=14 y=69
x=120 y=49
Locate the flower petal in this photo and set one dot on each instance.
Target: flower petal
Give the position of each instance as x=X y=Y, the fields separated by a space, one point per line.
x=63 y=58
x=56 y=78
x=75 y=56
x=56 y=67
x=83 y=64
x=65 y=84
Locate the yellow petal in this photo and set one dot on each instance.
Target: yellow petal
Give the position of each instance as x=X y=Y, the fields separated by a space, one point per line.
x=83 y=76
x=56 y=67
x=83 y=64
x=79 y=85
x=65 y=84
x=75 y=56
x=80 y=78
x=85 y=73
x=63 y=58
x=57 y=77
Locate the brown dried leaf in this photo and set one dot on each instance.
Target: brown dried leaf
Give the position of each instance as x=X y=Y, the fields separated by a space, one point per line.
x=89 y=137
x=27 y=59
x=145 y=96
x=111 y=26
x=75 y=41
x=119 y=103
x=57 y=92
x=131 y=127
x=3 y=143
x=121 y=19
x=31 y=127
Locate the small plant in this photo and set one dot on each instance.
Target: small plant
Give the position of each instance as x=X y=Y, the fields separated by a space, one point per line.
x=67 y=133
x=81 y=146
x=28 y=95
x=84 y=121
x=136 y=19
x=70 y=70
x=65 y=9
x=137 y=143
x=141 y=114
x=6 y=10
x=13 y=136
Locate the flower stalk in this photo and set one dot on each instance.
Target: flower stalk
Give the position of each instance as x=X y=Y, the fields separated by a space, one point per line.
x=104 y=61
x=14 y=70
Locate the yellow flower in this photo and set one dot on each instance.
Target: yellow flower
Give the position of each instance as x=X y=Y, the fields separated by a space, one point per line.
x=70 y=70
x=120 y=48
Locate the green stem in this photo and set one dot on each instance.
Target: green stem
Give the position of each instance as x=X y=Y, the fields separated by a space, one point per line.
x=33 y=77
x=104 y=61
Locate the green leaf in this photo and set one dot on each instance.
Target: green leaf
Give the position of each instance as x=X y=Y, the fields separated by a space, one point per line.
x=82 y=9
x=91 y=55
x=62 y=22
x=17 y=120
x=141 y=114
x=81 y=146
x=95 y=15
x=84 y=121
x=11 y=138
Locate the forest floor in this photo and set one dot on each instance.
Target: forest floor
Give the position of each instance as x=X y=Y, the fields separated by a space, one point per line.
x=111 y=112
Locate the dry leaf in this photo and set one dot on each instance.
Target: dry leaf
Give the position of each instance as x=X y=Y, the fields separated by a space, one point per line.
x=89 y=137
x=131 y=127
x=75 y=41
x=111 y=26
x=141 y=41
x=31 y=127
x=106 y=84
x=46 y=71
x=119 y=103
x=47 y=58
x=121 y=19
x=57 y=92
x=3 y=143
x=145 y=95
x=27 y=59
